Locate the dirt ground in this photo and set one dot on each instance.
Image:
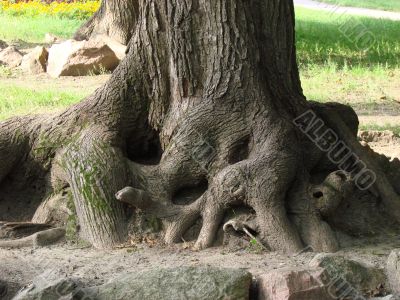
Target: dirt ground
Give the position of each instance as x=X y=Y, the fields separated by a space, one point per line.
x=383 y=142
x=67 y=83
x=20 y=267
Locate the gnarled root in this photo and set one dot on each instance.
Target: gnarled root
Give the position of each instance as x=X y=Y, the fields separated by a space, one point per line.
x=291 y=212
x=259 y=182
x=327 y=196
x=94 y=169
x=39 y=239
x=178 y=218
x=310 y=205
x=20 y=229
x=387 y=192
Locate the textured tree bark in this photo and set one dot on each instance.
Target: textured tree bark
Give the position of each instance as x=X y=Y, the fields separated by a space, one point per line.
x=206 y=97
x=115 y=19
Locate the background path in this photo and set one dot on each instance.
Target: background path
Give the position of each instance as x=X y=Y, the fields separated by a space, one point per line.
x=373 y=13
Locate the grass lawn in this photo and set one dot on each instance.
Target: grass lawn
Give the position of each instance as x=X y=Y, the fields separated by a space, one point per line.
x=369 y=91
x=32 y=30
x=16 y=100
x=319 y=37
x=324 y=39
x=334 y=68
x=390 y=5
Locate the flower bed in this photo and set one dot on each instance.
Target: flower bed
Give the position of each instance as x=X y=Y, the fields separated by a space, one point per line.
x=61 y=9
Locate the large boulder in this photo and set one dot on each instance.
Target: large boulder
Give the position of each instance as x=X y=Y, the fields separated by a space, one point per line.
x=118 y=48
x=66 y=289
x=79 y=58
x=393 y=271
x=349 y=277
x=181 y=283
x=293 y=284
x=11 y=57
x=35 y=61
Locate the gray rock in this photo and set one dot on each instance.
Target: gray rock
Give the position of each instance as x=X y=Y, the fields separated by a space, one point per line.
x=79 y=58
x=182 y=283
x=393 y=271
x=348 y=276
x=65 y=289
x=11 y=57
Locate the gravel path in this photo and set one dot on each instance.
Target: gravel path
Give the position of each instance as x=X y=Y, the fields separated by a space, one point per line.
x=373 y=13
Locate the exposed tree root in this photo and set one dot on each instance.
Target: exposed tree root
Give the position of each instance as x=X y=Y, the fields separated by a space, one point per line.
x=328 y=195
x=310 y=205
x=386 y=190
x=203 y=106
x=39 y=239
x=20 y=229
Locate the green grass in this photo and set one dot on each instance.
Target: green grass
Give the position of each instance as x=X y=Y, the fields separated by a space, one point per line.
x=368 y=90
x=319 y=37
x=33 y=30
x=322 y=40
x=390 y=5
x=15 y=100
x=334 y=68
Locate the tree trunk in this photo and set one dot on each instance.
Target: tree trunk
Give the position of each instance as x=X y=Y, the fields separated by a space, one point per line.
x=115 y=19
x=206 y=97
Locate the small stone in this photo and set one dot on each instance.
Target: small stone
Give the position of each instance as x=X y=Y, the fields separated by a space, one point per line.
x=35 y=62
x=11 y=57
x=51 y=38
x=3 y=45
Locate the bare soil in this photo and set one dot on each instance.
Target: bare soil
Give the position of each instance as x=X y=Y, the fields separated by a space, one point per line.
x=383 y=142
x=78 y=84
x=20 y=267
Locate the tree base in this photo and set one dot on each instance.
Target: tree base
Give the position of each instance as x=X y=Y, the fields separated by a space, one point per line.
x=204 y=115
